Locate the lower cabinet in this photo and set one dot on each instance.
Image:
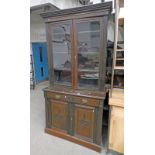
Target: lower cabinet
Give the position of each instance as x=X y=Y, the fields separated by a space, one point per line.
x=75 y=118
x=116 y=132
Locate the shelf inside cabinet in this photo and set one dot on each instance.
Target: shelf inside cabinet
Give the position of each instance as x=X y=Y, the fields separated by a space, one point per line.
x=119 y=50
x=81 y=32
x=88 y=52
x=119 y=67
x=88 y=70
x=62 y=69
x=119 y=58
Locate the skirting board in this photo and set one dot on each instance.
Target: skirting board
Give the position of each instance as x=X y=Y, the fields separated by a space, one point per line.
x=73 y=139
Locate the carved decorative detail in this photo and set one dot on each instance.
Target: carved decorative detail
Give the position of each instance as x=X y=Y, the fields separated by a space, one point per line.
x=84 y=122
x=58 y=116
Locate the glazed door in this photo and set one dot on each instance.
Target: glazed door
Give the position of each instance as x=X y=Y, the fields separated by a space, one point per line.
x=61 y=44
x=84 y=122
x=88 y=49
x=40 y=61
x=59 y=115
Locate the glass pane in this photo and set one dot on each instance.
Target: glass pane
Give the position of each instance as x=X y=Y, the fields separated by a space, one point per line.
x=61 y=45
x=88 y=53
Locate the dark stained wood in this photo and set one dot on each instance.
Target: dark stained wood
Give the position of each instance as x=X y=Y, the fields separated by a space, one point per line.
x=47 y=111
x=95 y=126
x=73 y=139
x=59 y=115
x=89 y=8
x=72 y=112
x=103 y=45
x=72 y=56
x=77 y=16
x=103 y=52
x=67 y=91
x=75 y=57
x=57 y=96
x=101 y=58
x=70 y=117
x=84 y=121
x=74 y=99
x=84 y=101
x=50 y=55
x=99 y=124
x=88 y=19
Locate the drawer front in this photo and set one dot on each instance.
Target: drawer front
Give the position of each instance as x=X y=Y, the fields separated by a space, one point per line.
x=57 y=96
x=84 y=100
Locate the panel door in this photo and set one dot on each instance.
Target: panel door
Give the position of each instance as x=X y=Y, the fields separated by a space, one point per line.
x=40 y=61
x=59 y=115
x=84 y=122
x=116 y=132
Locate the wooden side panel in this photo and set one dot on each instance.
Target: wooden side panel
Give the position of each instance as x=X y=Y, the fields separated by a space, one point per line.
x=59 y=115
x=116 y=132
x=84 y=122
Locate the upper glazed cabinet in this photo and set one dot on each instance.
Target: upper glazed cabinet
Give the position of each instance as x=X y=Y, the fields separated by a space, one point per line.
x=77 y=48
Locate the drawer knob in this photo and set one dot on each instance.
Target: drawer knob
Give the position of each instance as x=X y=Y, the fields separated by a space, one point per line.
x=84 y=100
x=57 y=96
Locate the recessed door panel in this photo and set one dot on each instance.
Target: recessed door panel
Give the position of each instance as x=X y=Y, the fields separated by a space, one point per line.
x=84 y=121
x=59 y=115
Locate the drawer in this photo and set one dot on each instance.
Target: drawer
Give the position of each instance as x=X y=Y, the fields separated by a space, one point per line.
x=84 y=100
x=56 y=96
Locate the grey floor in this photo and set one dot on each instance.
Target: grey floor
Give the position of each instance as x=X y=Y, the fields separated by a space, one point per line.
x=45 y=144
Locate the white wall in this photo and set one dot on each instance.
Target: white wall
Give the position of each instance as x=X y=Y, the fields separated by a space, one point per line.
x=37 y=29
x=62 y=4
x=111 y=27
x=37 y=32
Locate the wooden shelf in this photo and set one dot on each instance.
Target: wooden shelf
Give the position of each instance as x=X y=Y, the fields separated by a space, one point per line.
x=119 y=67
x=118 y=50
x=88 y=70
x=119 y=58
x=81 y=32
